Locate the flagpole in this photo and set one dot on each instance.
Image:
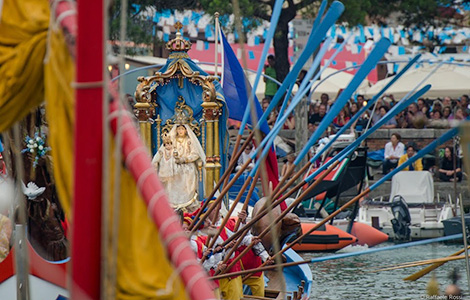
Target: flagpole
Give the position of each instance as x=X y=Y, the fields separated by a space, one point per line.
x=216 y=15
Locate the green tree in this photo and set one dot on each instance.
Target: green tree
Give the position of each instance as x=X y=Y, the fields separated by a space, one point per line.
x=140 y=26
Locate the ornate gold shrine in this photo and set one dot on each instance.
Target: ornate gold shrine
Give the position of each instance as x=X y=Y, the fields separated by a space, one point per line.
x=207 y=128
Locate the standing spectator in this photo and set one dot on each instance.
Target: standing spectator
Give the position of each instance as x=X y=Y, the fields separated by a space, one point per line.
x=271 y=86
x=446 y=170
x=393 y=151
x=390 y=124
x=410 y=152
x=325 y=99
x=317 y=118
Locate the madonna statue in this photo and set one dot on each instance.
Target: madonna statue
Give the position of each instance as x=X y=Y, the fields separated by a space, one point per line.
x=188 y=155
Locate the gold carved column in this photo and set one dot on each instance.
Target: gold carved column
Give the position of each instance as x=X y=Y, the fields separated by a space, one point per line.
x=144 y=112
x=209 y=109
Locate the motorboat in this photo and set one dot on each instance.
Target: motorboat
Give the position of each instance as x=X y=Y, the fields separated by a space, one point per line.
x=411 y=211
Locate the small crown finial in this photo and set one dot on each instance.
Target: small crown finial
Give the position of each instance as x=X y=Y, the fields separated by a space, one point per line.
x=178 y=26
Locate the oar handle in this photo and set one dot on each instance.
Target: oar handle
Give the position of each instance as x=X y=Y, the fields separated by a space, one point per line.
x=247 y=199
x=229 y=213
x=260 y=269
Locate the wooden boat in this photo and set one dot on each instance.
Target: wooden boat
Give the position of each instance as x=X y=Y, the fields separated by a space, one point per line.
x=209 y=119
x=347 y=176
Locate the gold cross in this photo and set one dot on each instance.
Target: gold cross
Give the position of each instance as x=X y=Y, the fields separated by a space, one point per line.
x=178 y=26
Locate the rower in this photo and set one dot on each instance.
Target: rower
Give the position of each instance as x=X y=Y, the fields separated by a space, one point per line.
x=213 y=263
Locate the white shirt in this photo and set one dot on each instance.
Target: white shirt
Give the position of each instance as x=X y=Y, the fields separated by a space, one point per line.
x=397 y=152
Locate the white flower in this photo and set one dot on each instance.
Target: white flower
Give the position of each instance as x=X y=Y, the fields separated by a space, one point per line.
x=30 y=146
x=38 y=139
x=31 y=141
x=35 y=145
x=31 y=150
x=40 y=147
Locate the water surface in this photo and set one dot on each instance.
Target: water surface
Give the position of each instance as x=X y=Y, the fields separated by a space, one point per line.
x=349 y=278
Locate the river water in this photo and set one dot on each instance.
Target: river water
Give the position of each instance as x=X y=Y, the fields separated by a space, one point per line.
x=350 y=278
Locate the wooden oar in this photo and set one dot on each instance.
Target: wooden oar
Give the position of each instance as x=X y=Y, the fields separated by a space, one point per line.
x=282 y=188
x=266 y=268
x=428 y=269
x=227 y=172
x=425 y=262
x=247 y=199
x=283 y=214
x=229 y=213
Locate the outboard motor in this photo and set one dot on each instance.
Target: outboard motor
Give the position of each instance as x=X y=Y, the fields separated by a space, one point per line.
x=402 y=220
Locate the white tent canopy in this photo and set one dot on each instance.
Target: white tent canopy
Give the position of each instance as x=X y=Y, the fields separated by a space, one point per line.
x=448 y=80
x=333 y=84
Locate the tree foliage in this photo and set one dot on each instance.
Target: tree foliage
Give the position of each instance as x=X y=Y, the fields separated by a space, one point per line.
x=139 y=23
x=416 y=14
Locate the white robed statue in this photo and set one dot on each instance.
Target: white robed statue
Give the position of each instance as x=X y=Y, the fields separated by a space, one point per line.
x=178 y=161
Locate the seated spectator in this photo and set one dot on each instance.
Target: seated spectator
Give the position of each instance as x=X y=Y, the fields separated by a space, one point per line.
x=447 y=170
x=459 y=114
x=447 y=113
x=354 y=108
x=464 y=103
x=410 y=152
x=265 y=104
x=414 y=118
x=272 y=118
x=447 y=101
x=311 y=128
x=317 y=118
x=437 y=121
x=421 y=104
x=392 y=123
x=290 y=122
x=393 y=151
x=288 y=166
x=342 y=118
x=400 y=119
x=244 y=157
x=3 y=168
x=437 y=105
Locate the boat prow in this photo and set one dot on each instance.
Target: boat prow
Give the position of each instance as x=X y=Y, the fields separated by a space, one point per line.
x=327 y=238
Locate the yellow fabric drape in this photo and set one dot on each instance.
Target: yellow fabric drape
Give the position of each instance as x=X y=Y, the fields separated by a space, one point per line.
x=142 y=267
x=25 y=81
x=59 y=72
x=23 y=31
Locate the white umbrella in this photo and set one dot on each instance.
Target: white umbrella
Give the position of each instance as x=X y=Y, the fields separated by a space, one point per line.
x=448 y=80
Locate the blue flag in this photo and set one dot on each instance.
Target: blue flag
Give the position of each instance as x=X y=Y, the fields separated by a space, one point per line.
x=237 y=88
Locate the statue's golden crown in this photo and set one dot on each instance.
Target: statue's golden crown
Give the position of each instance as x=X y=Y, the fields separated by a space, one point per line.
x=178 y=43
x=166 y=138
